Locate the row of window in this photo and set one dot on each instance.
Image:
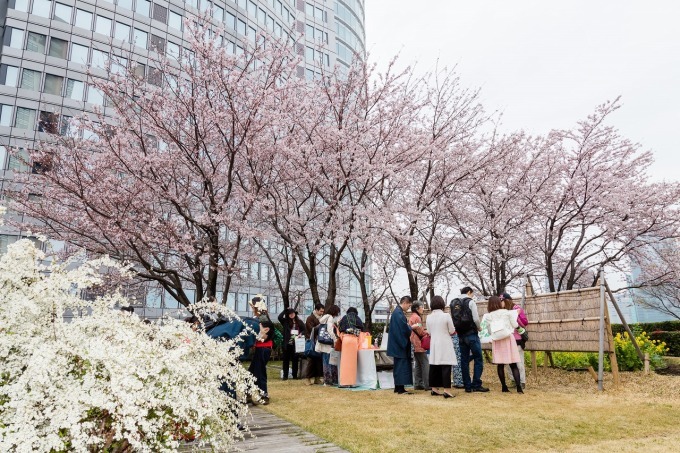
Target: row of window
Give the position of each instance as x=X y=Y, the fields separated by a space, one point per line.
x=347 y=15
x=48 y=122
x=314 y=12
x=30 y=79
x=316 y=34
x=316 y=56
x=348 y=35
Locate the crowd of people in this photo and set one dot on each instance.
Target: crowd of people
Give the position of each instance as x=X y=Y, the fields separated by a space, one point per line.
x=434 y=355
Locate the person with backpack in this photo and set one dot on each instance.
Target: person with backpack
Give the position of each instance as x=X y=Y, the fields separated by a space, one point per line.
x=501 y=323
x=292 y=329
x=466 y=321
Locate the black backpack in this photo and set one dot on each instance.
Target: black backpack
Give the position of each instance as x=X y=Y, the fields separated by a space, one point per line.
x=462 y=315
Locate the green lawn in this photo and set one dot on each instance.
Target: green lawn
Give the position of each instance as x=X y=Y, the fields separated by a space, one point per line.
x=560 y=411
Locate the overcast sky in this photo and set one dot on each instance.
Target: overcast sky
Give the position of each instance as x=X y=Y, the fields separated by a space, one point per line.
x=547 y=64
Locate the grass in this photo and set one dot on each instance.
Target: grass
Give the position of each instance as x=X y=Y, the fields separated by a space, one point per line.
x=560 y=411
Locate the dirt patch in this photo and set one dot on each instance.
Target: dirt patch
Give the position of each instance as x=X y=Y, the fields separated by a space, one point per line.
x=673 y=369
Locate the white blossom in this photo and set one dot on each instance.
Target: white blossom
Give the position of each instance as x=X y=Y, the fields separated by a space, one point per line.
x=105 y=381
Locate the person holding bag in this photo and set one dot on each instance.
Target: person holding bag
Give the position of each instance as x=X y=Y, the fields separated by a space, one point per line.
x=315 y=362
x=292 y=329
x=500 y=324
x=326 y=336
x=421 y=365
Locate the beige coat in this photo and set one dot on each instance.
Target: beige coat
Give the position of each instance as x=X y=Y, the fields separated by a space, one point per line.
x=440 y=327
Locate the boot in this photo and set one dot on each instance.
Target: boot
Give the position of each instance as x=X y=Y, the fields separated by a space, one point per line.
x=519 y=388
x=505 y=389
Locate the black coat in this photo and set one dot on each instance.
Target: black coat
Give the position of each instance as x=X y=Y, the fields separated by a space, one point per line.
x=288 y=325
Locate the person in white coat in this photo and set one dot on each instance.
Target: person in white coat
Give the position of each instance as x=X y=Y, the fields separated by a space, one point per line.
x=501 y=324
x=442 y=354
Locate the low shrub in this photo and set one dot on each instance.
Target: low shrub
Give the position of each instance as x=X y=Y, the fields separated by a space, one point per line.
x=627 y=355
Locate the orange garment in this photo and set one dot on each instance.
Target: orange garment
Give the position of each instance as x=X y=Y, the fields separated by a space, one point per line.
x=348 y=360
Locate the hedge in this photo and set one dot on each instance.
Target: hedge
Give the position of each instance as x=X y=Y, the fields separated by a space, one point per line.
x=665 y=326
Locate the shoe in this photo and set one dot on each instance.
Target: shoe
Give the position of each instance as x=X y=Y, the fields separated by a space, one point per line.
x=265 y=400
x=284 y=378
x=458 y=386
x=519 y=389
x=505 y=389
x=468 y=390
x=405 y=393
x=309 y=381
x=480 y=389
x=433 y=393
x=448 y=395
x=418 y=387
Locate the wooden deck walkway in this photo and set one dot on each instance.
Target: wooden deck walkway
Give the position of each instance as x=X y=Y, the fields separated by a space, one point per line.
x=273 y=434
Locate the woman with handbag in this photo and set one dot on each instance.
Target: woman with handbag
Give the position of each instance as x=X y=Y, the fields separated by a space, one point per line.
x=421 y=366
x=500 y=324
x=520 y=339
x=325 y=339
x=442 y=356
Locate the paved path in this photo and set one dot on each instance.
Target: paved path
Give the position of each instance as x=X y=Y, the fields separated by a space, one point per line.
x=273 y=434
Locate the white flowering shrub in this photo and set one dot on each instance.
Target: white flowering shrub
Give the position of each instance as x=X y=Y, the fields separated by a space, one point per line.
x=105 y=381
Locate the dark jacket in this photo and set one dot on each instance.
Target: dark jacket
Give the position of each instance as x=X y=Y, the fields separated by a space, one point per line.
x=399 y=340
x=288 y=324
x=351 y=321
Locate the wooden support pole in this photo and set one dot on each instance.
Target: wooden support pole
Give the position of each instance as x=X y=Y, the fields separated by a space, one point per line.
x=646 y=363
x=592 y=372
x=550 y=359
x=612 y=347
x=534 y=363
x=623 y=321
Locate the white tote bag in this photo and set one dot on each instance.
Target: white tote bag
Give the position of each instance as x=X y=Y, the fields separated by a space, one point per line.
x=300 y=345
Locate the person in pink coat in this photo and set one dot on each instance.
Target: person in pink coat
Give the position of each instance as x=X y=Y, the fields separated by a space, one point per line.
x=523 y=322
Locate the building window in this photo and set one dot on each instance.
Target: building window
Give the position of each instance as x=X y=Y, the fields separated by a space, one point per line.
x=241 y=27
x=14 y=38
x=140 y=70
x=218 y=13
x=127 y=4
x=79 y=54
x=122 y=31
x=36 y=42
x=252 y=9
x=118 y=65
x=25 y=118
x=141 y=38
x=64 y=125
x=19 y=5
x=143 y=7
x=5 y=115
x=193 y=3
x=42 y=8
x=103 y=25
x=157 y=44
x=155 y=77
x=75 y=89
x=175 y=20
x=83 y=19
x=99 y=59
x=160 y=13
x=63 y=13
x=48 y=122
x=94 y=96
x=9 y=75
x=58 y=48
x=252 y=34
x=53 y=84
x=173 y=50
x=30 y=80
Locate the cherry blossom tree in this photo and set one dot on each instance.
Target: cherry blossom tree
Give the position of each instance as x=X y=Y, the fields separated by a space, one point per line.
x=169 y=178
x=602 y=206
